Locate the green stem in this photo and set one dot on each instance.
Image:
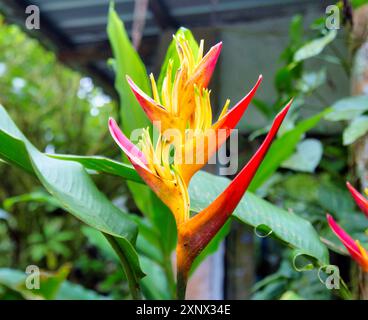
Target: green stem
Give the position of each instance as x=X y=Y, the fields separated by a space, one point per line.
x=132 y=280
x=169 y=273
x=181 y=286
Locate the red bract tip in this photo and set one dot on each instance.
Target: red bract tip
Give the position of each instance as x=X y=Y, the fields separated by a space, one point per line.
x=133 y=153
x=360 y=200
x=203 y=72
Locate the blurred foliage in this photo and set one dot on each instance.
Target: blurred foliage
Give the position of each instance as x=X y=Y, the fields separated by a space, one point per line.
x=60 y=111
x=312 y=195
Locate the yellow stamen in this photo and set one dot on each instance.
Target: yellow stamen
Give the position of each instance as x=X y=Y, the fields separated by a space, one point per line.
x=225 y=108
x=156 y=96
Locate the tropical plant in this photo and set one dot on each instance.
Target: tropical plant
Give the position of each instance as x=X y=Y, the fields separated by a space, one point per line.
x=144 y=244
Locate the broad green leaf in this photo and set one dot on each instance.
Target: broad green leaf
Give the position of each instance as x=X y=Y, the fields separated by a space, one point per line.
x=49 y=283
x=154 y=285
x=15 y=280
x=262 y=215
x=71 y=185
x=356 y=129
x=102 y=164
x=36 y=196
x=132 y=116
x=127 y=62
x=148 y=241
x=348 y=108
x=307 y=156
x=335 y=200
x=172 y=54
x=282 y=148
x=314 y=47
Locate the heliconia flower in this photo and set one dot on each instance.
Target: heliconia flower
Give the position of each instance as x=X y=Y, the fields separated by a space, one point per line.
x=194 y=234
x=152 y=164
x=200 y=121
x=360 y=200
x=357 y=252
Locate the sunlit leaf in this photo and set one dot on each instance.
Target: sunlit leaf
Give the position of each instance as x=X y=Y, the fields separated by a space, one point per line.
x=348 y=108
x=307 y=156
x=356 y=129
x=314 y=47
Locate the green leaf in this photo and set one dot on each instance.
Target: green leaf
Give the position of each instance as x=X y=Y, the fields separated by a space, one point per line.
x=348 y=108
x=356 y=129
x=15 y=280
x=127 y=62
x=262 y=215
x=310 y=81
x=296 y=30
x=307 y=156
x=71 y=185
x=102 y=164
x=291 y=295
x=314 y=47
x=154 y=284
x=282 y=148
x=36 y=196
x=172 y=54
x=132 y=116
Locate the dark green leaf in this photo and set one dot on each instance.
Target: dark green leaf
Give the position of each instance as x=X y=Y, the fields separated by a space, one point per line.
x=286 y=226
x=70 y=184
x=282 y=148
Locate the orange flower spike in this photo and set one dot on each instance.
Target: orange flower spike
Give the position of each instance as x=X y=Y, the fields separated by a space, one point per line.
x=173 y=106
x=360 y=200
x=357 y=252
x=195 y=234
x=209 y=140
x=153 y=167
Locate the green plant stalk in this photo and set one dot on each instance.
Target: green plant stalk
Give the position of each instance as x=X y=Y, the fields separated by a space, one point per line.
x=181 y=285
x=133 y=283
x=169 y=274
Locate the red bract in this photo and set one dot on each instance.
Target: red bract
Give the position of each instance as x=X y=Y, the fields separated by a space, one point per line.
x=357 y=252
x=360 y=200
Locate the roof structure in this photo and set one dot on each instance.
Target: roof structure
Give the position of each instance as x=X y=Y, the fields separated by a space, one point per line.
x=76 y=29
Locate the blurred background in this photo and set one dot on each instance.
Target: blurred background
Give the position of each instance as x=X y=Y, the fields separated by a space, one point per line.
x=57 y=84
